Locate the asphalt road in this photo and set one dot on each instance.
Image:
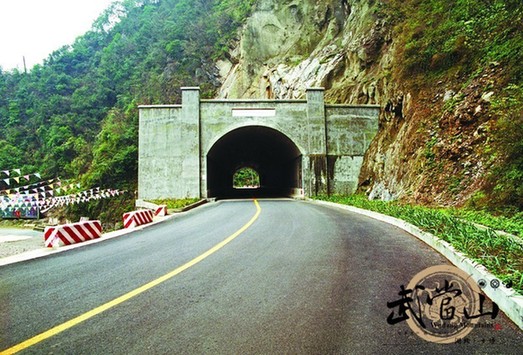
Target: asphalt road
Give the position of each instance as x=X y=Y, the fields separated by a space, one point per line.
x=302 y=279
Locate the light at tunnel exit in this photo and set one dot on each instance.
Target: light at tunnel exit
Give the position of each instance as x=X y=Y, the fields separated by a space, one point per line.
x=246 y=178
x=270 y=153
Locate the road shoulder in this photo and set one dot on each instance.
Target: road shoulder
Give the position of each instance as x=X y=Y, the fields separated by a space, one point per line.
x=508 y=300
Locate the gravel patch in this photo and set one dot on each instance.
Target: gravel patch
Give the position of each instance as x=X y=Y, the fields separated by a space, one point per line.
x=16 y=241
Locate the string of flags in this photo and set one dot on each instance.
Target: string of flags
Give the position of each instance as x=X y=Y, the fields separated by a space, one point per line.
x=29 y=202
x=77 y=198
x=42 y=196
x=43 y=188
x=17 y=179
x=53 y=184
x=16 y=202
x=9 y=172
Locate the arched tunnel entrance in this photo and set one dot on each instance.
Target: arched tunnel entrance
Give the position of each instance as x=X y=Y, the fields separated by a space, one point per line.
x=276 y=159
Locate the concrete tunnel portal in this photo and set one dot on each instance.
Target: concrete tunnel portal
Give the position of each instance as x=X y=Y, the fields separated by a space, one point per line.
x=297 y=147
x=273 y=155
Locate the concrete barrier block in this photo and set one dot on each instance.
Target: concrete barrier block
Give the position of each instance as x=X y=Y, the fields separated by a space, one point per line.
x=72 y=233
x=137 y=218
x=161 y=211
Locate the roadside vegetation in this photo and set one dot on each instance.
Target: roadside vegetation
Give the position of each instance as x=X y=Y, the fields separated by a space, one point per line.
x=512 y=225
x=14 y=223
x=176 y=204
x=500 y=254
x=108 y=211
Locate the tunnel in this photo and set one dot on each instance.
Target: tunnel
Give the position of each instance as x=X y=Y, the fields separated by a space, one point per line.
x=270 y=153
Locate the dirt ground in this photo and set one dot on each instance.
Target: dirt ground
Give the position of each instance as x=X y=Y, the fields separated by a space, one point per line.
x=16 y=241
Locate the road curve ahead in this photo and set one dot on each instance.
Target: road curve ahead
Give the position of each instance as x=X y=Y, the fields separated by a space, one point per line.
x=292 y=277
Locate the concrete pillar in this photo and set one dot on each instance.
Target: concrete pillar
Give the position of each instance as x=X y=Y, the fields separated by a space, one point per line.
x=190 y=134
x=317 y=168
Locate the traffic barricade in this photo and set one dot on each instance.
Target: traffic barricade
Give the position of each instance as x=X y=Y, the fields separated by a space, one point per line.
x=161 y=211
x=137 y=218
x=72 y=233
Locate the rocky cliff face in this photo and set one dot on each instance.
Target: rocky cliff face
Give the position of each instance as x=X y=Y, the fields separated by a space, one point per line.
x=287 y=46
x=425 y=150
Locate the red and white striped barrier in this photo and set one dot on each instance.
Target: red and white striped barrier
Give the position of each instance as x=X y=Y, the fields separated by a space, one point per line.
x=137 y=218
x=67 y=234
x=161 y=211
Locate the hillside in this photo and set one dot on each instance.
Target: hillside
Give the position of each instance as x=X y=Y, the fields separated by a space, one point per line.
x=76 y=114
x=447 y=75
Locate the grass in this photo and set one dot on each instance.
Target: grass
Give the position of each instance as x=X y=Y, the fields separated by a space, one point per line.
x=512 y=225
x=438 y=35
x=501 y=255
x=176 y=204
x=16 y=223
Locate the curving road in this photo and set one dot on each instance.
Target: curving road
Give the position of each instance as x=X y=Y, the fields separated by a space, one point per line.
x=302 y=278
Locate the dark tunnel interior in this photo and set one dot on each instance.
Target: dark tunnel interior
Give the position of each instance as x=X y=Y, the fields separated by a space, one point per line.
x=270 y=153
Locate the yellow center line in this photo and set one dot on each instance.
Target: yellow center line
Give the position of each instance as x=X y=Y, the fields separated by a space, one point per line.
x=75 y=321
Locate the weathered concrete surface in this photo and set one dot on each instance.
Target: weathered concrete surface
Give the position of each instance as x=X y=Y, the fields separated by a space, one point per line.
x=297 y=146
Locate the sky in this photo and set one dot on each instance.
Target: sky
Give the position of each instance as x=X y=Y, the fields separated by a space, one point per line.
x=36 y=28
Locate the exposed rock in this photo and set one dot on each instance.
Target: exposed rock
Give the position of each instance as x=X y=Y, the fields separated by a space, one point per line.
x=477 y=110
x=449 y=94
x=426 y=135
x=287 y=46
x=224 y=67
x=487 y=96
x=380 y=192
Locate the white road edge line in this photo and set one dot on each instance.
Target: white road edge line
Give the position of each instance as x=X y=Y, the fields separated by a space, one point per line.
x=510 y=302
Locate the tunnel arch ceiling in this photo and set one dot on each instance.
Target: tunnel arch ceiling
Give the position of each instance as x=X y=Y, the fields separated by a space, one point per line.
x=192 y=150
x=271 y=153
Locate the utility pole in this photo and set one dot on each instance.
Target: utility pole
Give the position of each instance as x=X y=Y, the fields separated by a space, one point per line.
x=25 y=67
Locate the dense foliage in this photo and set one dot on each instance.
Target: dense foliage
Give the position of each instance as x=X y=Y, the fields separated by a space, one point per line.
x=440 y=35
x=76 y=114
x=246 y=177
x=500 y=254
x=458 y=40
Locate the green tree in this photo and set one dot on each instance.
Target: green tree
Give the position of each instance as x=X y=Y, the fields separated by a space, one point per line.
x=246 y=177
x=75 y=114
